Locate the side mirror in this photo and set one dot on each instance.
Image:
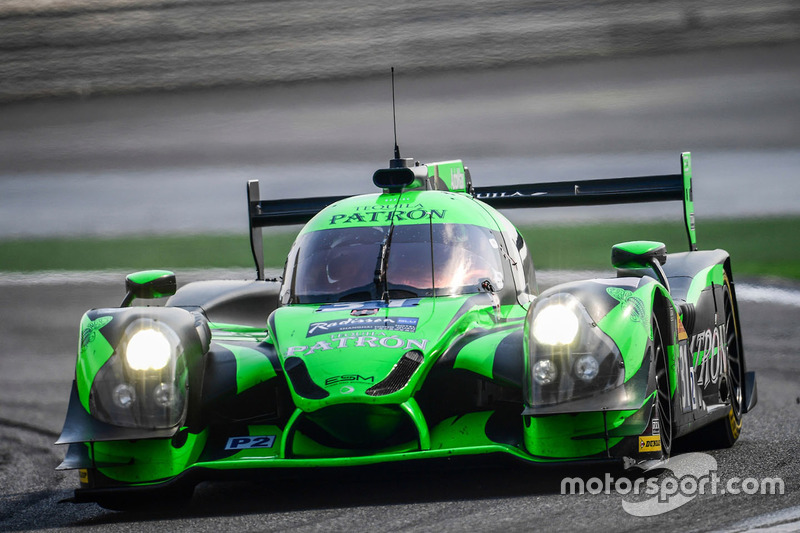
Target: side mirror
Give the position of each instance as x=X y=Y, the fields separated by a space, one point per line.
x=149 y=284
x=641 y=254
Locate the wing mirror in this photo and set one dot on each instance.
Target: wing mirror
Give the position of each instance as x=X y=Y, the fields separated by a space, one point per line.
x=641 y=254
x=149 y=284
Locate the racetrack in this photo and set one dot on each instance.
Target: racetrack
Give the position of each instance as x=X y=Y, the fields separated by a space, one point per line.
x=37 y=339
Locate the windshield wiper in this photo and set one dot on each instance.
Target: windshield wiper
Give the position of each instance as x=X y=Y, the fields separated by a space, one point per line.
x=381 y=281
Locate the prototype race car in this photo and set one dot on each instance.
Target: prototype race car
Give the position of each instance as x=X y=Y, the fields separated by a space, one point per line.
x=408 y=325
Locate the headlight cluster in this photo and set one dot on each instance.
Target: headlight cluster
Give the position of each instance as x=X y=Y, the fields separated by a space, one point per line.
x=569 y=356
x=144 y=383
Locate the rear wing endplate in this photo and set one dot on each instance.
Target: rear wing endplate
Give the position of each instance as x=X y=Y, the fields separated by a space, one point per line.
x=552 y=194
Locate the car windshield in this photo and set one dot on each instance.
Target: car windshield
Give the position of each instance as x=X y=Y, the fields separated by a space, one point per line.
x=344 y=264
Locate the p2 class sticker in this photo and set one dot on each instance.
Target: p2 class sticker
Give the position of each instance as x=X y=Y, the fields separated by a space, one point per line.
x=250 y=442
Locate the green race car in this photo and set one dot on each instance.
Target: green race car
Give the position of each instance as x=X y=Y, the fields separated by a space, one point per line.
x=408 y=326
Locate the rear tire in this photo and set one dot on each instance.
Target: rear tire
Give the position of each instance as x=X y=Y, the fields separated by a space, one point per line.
x=725 y=432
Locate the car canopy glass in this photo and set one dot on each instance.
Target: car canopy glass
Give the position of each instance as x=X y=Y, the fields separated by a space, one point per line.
x=398 y=261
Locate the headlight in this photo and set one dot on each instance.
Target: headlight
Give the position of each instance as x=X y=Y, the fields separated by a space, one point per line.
x=555 y=324
x=148 y=349
x=124 y=396
x=545 y=372
x=586 y=367
x=144 y=383
x=568 y=356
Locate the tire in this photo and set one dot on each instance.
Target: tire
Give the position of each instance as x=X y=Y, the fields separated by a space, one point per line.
x=663 y=407
x=725 y=432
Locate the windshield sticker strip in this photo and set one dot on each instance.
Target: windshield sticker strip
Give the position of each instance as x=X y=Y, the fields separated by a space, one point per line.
x=374 y=304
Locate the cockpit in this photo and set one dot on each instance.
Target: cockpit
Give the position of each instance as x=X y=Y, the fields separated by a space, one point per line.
x=395 y=261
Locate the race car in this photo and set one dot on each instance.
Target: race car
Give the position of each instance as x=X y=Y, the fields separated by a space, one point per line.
x=408 y=326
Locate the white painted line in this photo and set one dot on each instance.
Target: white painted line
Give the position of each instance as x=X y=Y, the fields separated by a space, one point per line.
x=766 y=294
x=784 y=520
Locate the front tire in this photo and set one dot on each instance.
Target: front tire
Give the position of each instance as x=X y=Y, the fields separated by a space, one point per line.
x=663 y=398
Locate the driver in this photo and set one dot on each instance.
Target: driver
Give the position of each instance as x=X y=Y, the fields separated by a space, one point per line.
x=348 y=267
x=351 y=260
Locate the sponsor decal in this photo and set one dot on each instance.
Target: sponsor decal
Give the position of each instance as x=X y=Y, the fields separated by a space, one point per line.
x=709 y=349
x=635 y=310
x=348 y=378
x=83 y=476
x=368 y=306
x=250 y=442
x=363 y=312
x=690 y=399
x=682 y=335
x=702 y=362
x=456 y=179
x=656 y=427
x=90 y=331
x=347 y=389
x=389 y=205
x=735 y=426
x=649 y=444
x=362 y=341
x=400 y=323
x=515 y=194
x=397 y=215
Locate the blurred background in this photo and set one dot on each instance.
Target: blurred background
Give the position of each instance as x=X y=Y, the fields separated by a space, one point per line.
x=80 y=48
x=146 y=117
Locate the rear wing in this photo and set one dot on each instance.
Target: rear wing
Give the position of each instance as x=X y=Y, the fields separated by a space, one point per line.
x=639 y=189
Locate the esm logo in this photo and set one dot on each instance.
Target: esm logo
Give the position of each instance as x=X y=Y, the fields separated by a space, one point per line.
x=349 y=378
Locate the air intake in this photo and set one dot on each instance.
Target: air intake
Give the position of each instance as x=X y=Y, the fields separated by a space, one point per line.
x=399 y=376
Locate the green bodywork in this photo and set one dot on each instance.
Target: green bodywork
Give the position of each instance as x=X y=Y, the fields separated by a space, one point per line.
x=341 y=367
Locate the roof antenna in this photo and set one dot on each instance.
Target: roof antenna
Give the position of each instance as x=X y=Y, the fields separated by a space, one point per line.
x=397 y=162
x=394 y=120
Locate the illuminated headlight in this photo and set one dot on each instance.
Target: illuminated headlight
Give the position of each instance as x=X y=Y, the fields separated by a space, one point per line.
x=556 y=324
x=545 y=372
x=148 y=349
x=144 y=383
x=586 y=367
x=569 y=356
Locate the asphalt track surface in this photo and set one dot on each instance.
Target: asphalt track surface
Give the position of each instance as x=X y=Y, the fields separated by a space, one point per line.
x=37 y=340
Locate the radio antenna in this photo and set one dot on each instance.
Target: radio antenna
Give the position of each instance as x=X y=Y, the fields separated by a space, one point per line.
x=394 y=120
